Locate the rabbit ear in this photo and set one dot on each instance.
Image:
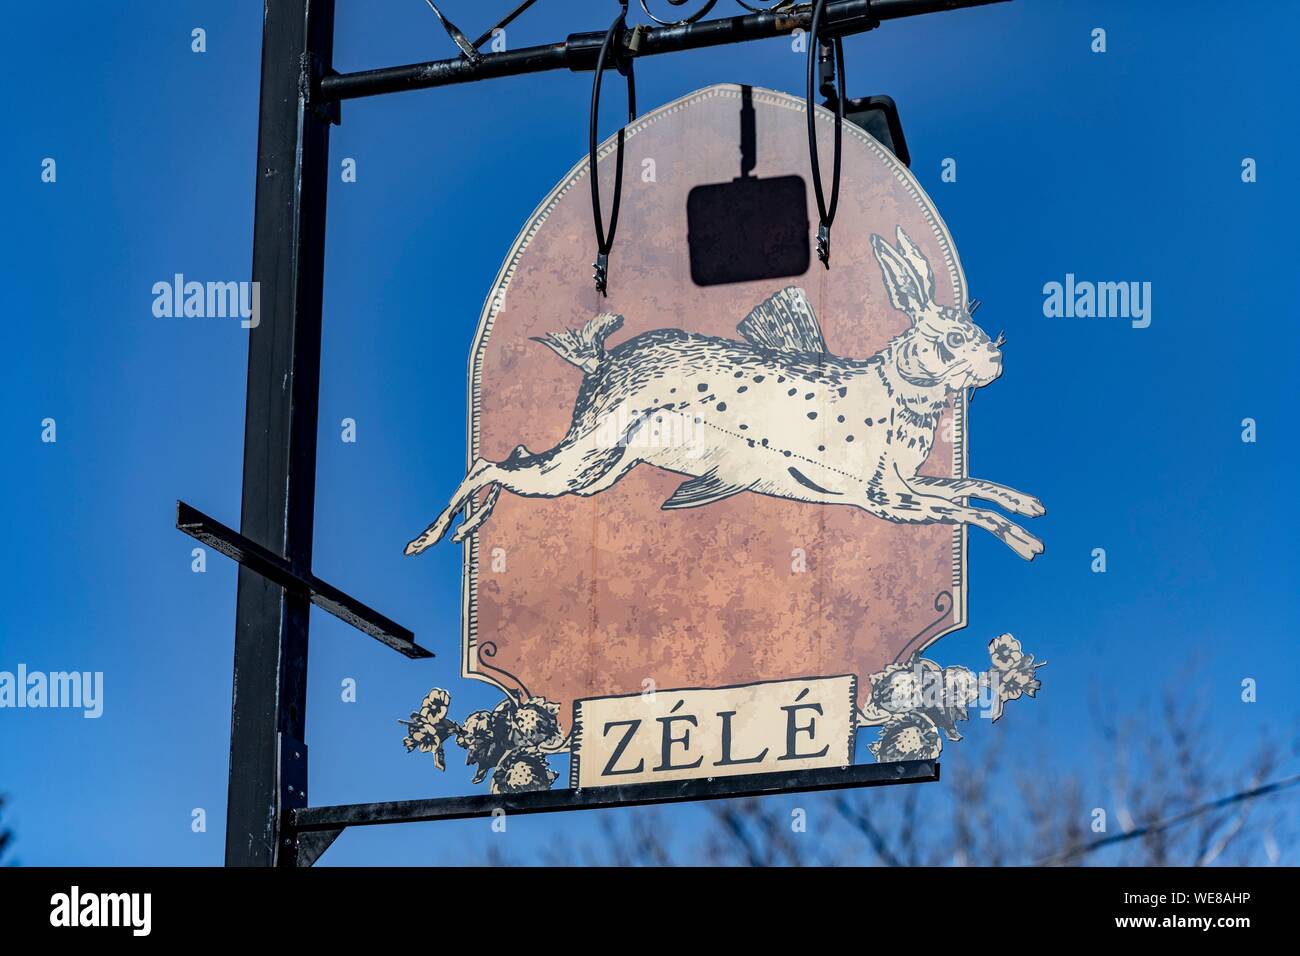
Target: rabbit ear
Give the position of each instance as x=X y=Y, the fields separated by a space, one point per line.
x=901 y=280
x=920 y=264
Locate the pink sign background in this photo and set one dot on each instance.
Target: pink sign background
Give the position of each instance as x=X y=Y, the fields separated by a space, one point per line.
x=601 y=594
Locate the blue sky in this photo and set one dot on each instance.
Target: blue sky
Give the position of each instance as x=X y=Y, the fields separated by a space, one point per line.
x=1117 y=166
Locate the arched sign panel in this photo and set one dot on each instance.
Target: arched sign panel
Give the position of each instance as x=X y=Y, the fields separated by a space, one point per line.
x=711 y=520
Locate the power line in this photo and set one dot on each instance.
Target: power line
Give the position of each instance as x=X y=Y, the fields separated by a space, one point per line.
x=1084 y=849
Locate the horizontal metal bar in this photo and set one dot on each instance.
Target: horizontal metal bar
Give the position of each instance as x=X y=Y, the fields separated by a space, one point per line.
x=275 y=568
x=579 y=51
x=598 y=798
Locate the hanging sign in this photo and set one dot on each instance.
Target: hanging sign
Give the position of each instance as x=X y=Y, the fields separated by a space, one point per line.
x=713 y=520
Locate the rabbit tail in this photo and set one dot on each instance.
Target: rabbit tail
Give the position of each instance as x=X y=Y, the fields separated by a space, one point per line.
x=583 y=347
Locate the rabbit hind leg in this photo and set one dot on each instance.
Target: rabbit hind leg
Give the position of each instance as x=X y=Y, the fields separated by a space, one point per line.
x=474 y=480
x=483 y=510
x=618 y=467
x=480 y=514
x=607 y=463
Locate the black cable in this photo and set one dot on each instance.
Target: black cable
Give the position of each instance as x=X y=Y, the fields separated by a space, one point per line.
x=826 y=214
x=604 y=243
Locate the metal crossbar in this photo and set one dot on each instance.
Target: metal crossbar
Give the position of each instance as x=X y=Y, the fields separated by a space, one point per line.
x=578 y=52
x=315 y=828
x=270 y=565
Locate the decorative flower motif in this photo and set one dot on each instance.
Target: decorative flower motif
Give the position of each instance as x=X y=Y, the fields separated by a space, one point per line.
x=522 y=770
x=1013 y=672
x=506 y=741
x=421 y=735
x=913 y=702
x=1005 y=651
x=1021 y=680
x=429 y=729
x=535 y=723
x=909 y=737
x=485 y=735
x=1018 y=681
x=901 y=688
x=960 y=690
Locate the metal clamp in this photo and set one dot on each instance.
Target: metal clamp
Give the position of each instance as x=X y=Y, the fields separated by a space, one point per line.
x=612 y=45
x=826 y=215
x=467 y=49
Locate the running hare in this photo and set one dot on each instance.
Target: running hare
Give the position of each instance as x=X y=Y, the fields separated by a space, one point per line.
x=774 y=414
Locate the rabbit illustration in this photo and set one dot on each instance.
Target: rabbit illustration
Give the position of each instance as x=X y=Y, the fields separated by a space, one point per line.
x=774 y=414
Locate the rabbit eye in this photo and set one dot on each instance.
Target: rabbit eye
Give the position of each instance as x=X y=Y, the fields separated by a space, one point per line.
x=956 y=340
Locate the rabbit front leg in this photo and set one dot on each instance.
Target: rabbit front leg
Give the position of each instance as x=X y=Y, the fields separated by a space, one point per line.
x=474 y=480
x=1009 y=498
x=901 y=503
x=484 y=510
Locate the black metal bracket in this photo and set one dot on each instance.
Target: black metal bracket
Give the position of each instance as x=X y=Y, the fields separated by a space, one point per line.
x=878 y=116
x=308 y=847
x=310 y=73
x=467 y=49
x=270 y=565
x=293 y=773
x=291 y=769
x=315 y=828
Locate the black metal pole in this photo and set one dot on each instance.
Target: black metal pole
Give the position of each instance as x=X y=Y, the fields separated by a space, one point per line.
x=579 y=51
x=267 y=728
